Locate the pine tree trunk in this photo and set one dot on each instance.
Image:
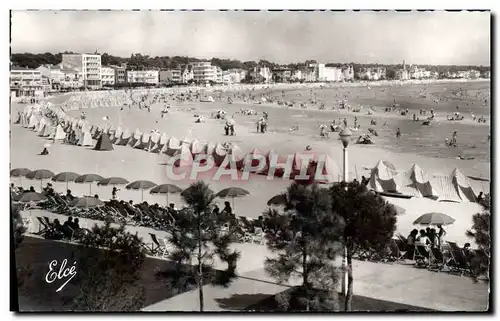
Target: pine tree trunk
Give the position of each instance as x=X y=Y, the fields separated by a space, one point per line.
x=348 y=298
x=200 y=267
x=305 y=279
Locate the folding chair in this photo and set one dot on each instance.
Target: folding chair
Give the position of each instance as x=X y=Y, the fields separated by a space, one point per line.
x=258 y=236
x=421 y=255
x=157 y=246
x=42 y=227
x=436 y=260
x=459 y=262
x=396 y=253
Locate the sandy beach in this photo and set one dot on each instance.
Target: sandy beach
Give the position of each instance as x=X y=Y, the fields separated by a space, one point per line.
x=424 y=147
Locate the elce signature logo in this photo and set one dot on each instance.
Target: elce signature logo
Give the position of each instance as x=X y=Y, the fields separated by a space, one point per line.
x=63 y=273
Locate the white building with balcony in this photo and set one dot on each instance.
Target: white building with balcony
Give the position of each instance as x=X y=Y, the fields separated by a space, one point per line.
x=107 y=76
x=26 y=82
x=204 y=72
x=88 y=65
x=143 y=77
x=171 y=76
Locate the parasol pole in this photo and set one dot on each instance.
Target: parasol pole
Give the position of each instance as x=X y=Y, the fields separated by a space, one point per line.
x=233 y=204
x=41 y=185
x=167 y=199
x=66 y=184
x=90 y=189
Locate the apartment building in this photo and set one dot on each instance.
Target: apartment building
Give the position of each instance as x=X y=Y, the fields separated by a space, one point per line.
x=107 y=76
x=262 y=74
x=233 y=76
x=143 y=77
x=120 y=73
x=171 y=76
x=282 y=74
x=204 y=72
x=373 y=73
x=25 y=82
x=88 y=65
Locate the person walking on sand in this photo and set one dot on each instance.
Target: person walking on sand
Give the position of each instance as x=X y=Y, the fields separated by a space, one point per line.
x=345 y=122
x=398 y=133
x=454 y=139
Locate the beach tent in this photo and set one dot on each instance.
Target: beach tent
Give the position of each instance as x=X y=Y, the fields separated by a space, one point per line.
x=196 y=147
x=41 y=125
x=116 y=135
x=85 y=139
x=463 y=186
x=172 y=146
x=278 y=161
x=93 y=130
x=103 y=143
x=253 y=158
x=59 y=134
x=153 y=141
x=32 y=122
x=234 y=155
x=160 y=143
x=42 y=130
x=111 y=130
x=186 y=159
x=134 y=138
x=421 y=181
x=48 y=130
x=186 y=140
x=143 y=141
x=328 y=171
x=97 y=133
x=219 y=154
x=405 y=185
x=210 y=148
x=445 y=188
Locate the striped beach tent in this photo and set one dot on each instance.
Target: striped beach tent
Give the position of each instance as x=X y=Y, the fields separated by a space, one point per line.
x=160 y=143
x=445 y=188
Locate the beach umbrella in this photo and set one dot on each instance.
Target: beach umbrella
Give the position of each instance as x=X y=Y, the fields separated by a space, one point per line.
x=40 y=174
x=434 y=219
x=89 y=178
x=29 y=197
x=86 y=202
x=113 y=181
x=19 y=172
x=166 y=189
x=277 y=200
x=65 y=177
x=232 y=192
x=142 y=185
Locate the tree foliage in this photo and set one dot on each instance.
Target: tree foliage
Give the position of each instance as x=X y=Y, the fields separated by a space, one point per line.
x=109 y=263
x=198 y=242
x=305 y=238
x=369 y=222
x=18 y=227
x=480 y=232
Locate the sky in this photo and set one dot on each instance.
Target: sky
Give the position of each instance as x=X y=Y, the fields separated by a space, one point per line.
x=446 y=38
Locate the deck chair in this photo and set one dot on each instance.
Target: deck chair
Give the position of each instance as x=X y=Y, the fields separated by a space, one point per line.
x=258 y=236
x=421 y=255
x=47 y=221
x=459 y=262
x=436 y=259
x=157 y=246
x=43 y=227
x=396 y=254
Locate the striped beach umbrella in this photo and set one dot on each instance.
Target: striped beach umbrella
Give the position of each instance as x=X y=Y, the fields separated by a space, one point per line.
x=40 y=174
x=19 y=172
x=166 y=189
x=89 y=178
x=65 y=177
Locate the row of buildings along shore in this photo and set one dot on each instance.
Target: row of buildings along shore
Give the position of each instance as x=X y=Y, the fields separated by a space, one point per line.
x=77 y=71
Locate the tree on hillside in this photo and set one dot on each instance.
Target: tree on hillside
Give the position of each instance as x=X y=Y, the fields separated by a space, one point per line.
x=109 y=263
x=369 y=222
x=305 y=238
x=198 y=241
x=480 y=231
